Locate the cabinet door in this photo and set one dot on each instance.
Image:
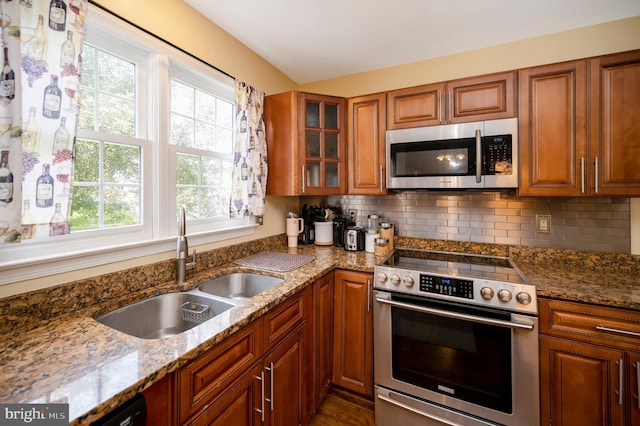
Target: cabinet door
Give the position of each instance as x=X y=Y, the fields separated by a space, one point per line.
x=634 y=388
x=323 y=347
x=353 y=332
x=580 y=384
x=615 y=124
x=281 y=133
x=323 y=144
x=366 y=145
x=488 y=97
x=160 y=398
x=203 y=380
x=285 y=379
x=552 y=129
x=240 y=405
x=415 y=106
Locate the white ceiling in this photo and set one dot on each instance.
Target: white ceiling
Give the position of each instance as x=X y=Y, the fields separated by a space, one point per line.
x=312 y=41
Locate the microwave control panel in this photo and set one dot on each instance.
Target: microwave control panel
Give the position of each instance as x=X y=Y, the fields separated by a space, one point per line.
x=497 y=155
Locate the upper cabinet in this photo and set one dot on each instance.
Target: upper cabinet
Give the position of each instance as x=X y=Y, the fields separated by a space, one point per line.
x=366 y=123
x=487 y=97
x=615 y=124
x=552 y=133
x=580 y=127
x=306 y=142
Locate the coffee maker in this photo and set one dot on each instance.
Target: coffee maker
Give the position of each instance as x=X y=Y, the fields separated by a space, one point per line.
x=339 y=228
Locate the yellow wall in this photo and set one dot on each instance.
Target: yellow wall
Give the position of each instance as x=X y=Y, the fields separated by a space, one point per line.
x=178 y=23
x=596 y=40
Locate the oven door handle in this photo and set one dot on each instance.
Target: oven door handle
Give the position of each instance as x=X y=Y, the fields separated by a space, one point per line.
x=457 y=315
x=413 y=410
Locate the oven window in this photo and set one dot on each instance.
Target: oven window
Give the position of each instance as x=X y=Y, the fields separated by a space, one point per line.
x=437 y=158
x=461 y=359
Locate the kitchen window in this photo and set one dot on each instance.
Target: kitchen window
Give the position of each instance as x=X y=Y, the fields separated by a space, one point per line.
x=155 y=131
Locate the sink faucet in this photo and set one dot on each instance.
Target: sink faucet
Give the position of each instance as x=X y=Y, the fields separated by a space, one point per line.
x=182 y=249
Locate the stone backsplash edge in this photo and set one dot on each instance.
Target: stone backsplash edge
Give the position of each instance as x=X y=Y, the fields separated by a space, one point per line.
x=32 y=309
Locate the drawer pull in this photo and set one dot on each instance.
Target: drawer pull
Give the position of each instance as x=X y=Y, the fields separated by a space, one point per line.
x=620 y=379
x=261 y=409
x=637 y=367
x=616 y=330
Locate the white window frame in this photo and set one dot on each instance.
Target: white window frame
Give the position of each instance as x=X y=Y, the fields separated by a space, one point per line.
x=156 y=62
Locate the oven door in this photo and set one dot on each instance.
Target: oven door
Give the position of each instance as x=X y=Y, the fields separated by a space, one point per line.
x=469 y=362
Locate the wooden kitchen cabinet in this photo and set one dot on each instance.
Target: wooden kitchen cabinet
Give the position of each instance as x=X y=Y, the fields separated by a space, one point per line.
x=487 y=97
x=323 y=337
x=205 y=379
x=266 y=364
x=366 y=144
x=240 y=405
x=306 y=142
x=552 y=132
x=558 y=104
x=615 y=124
x=589 y=364
x=159 y=399
x=353 y=332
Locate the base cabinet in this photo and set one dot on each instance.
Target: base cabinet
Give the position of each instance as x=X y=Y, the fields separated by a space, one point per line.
x=257 y=376
x=353 y=332
x=589 y=365
x=323 y=337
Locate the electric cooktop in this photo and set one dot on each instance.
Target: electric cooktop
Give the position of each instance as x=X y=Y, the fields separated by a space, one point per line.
x=455 y=264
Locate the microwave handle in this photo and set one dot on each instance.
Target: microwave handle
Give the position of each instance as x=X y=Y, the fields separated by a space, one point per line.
x=478 y=156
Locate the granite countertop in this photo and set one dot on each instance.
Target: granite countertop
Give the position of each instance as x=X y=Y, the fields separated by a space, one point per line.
x=73 y=359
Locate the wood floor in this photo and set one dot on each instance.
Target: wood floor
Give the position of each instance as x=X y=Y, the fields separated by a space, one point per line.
x=342 y=408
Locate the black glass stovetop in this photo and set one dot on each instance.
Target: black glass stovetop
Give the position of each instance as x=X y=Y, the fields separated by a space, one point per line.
x=455 y=264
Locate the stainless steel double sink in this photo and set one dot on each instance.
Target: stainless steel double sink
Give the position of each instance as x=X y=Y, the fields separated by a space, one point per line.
x=174 y=313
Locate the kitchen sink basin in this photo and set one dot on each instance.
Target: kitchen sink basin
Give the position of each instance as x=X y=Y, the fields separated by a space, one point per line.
x=164 y=315
x=239 y=285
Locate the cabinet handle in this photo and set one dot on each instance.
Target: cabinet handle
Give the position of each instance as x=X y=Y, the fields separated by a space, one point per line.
x=478 y=156
x=637 y=367
x=617 y=330
x=582 y=172
x=261 y=410
x=596 y=175
x=440 y=107
x=381 y=179
x=620 y=377
x=450 y=117
x=303 y=179
x=270 y=370
x=368 y=295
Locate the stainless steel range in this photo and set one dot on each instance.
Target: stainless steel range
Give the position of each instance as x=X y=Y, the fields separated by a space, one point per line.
x=455 y=341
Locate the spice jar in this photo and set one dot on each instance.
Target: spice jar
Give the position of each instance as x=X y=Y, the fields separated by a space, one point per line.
x=381 y=247
x=386 y=231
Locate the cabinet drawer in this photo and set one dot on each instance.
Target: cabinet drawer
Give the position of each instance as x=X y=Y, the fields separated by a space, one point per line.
x=282 y=321
x=596 y=324
x=204 y=379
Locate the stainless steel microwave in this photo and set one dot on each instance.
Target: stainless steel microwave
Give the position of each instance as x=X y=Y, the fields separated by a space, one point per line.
x=478 y=155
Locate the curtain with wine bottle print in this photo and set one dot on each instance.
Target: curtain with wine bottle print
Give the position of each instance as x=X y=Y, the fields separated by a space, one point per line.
x=39 y=92
x=249 y=178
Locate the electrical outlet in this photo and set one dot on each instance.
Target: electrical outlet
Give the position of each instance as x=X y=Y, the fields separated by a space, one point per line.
x=352 y=214
x=543 y=223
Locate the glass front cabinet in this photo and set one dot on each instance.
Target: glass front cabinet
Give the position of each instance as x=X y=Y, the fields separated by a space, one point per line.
x=306 y=142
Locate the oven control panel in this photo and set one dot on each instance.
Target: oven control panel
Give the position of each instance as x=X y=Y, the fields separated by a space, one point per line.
x=446 y=286
x=516 y=297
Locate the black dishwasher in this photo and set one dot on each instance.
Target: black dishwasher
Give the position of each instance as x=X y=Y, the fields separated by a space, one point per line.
x=131 y=413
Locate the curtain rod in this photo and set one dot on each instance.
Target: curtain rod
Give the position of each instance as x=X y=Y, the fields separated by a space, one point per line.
x=93 y=2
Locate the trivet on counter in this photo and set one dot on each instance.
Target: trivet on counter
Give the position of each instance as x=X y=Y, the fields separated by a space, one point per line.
x=275 y=261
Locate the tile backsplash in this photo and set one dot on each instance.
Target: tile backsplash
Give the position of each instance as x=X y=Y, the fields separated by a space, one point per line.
x=589 y=224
